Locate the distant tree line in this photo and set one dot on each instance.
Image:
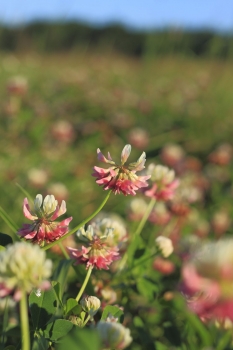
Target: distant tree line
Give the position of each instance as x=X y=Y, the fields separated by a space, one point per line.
x=59 y=36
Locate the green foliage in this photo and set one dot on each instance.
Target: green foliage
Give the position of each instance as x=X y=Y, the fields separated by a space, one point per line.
x=80 y=339
x=42 y=307
x=72 y=307
x=57 y=329
x=113 y=311
x=60 y=36
x=5 y=239
x=40 y=343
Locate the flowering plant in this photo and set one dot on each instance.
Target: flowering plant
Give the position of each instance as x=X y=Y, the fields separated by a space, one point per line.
x=113 y=279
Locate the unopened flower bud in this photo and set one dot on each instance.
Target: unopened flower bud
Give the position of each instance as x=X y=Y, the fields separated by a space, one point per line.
x=114 y=335
x=165 y=245
x=90 y=305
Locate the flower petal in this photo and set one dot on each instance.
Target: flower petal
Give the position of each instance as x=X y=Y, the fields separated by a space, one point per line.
x=26 y=210
x=102 y=158
x=125 y=154
x=49 y=205
x=139 y=164
x=59 y=211
x=38 y=202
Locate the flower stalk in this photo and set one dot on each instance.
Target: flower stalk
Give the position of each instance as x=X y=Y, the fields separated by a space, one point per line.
x=84 y=283
x=24 y=322
x=133 y=245
x=145 y=217
x=81 y=224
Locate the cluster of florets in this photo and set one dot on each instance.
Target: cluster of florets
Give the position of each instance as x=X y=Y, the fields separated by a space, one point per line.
x=43 y=227
x=23 y=267
x=95 y=252
x=163 y=182
x=121 y=178
x=113 y=334
x=112 y=225
x=207 y=280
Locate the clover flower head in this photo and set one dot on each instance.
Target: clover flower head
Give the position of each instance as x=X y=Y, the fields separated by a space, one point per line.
x=113 y=335
x=207 y=280
x=121 y=178
x=96 y=251
x=114 y=226
x=165 y=245
x=163 y=181
x=23 y=267
x=137 y=208
x=90 y=304
x=44 y=228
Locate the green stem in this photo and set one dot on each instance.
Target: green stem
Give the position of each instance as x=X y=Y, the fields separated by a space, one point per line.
x=145 y=217
x=87 y=319
x=66 y=255
x=80 y=225
x=132 y=247
x=84 y=283
x=24 y=322
x=139 y=263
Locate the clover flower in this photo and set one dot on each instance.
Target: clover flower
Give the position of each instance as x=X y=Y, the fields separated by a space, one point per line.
x=121 y=178
x=163 y=181
x=112 y=225
x=137 y=208
x=90 y=304
x=165 y=245
x=23 y=267
x=44 y=228
x=113 y=335
x=96 y=252
x=207 y=280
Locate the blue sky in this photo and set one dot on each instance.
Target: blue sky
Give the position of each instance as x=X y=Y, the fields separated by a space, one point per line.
x=216 y=14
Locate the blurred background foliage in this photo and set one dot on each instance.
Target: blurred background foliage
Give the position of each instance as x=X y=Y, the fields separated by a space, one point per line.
x=63 y=36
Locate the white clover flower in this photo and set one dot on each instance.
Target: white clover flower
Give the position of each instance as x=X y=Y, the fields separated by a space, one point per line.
x=215 y=260
x=113 y=227
x=165 y=245
x=92 y=232
x=114 y=335
x=90 y=304
x=138 y=207
x=23 y=267
x=160 y=173
x=163 y=182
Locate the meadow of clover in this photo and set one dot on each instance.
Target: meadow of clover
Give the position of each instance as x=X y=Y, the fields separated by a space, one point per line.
x=116 y=202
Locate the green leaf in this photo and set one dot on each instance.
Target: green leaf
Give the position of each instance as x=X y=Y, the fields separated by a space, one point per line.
x=72 y=307
x=57 y=329
x=225 y=340
x=57 y=289
x=61 y=273
x=114 y=311
x=11 y=224
x=146 y=288
x=80 y=339
x=42 y=307
x=5 y=239
x=40 y=344
x=11 y=347
x=160 y=346
x=137 y=321
x=199 y=327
